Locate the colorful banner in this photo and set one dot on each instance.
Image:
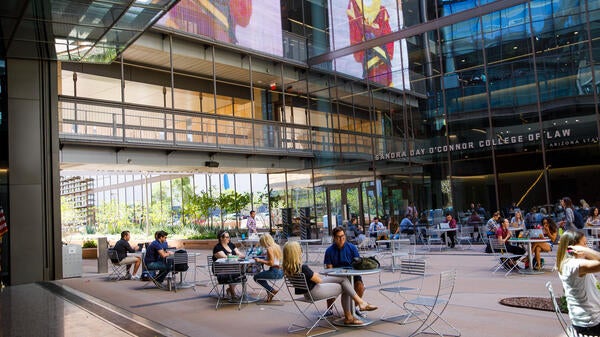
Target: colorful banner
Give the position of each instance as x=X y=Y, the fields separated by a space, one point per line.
x=3 y=224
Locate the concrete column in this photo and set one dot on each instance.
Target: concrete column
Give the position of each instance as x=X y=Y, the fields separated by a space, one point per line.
x=33 y=179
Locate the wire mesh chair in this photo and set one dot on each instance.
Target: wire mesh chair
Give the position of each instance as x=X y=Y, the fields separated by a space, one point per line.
x=307 y=305
x=464 y=236
x=227 y=274
x=505 y=260
x=180 y=265
x=118 y=270
x=410 y=270
x=429 y=309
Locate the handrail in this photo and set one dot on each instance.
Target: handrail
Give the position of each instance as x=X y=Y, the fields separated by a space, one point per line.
x=91 y=121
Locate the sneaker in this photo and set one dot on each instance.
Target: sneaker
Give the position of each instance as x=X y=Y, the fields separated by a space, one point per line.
x=329 y=313
x=127 y=276
x=359 y=313
x=135 y=278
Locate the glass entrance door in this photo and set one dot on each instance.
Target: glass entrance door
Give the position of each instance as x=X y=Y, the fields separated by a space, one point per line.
x=343 y=203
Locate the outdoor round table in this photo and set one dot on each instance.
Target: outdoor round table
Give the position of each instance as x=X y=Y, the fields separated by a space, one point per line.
x=350 y=273
x=445 y=230
x=192 y=259
x=529 y=271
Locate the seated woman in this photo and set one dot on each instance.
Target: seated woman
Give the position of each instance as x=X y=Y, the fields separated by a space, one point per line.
x=323 y=287
x=451 y=239
x=551 y=231
x=518 y=221
x=594 y=218
x=576 y=264
x=222 y=250
x=272 y=259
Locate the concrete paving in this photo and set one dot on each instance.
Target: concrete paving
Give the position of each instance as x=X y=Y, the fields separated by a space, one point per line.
x=141 y=309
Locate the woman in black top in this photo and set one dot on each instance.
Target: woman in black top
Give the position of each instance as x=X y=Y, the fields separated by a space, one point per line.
x=323 y=287
x=222 y=250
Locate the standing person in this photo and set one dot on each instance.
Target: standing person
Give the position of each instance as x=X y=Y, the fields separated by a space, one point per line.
x=341 y=254
x=568 y=222
x=156 y=253
x=322 y=287
x=273 y=260
x=368 y=20
x=251 y=223
x=122 y=247
x=576 y=264
x=411 y=211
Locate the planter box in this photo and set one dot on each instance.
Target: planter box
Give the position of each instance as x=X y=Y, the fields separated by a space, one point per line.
x=196 y=244
x=89 y=253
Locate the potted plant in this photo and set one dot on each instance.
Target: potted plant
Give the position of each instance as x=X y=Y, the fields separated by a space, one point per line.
x=89 y=249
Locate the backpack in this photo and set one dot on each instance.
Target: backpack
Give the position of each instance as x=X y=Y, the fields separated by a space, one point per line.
x=578 y=219
x=365 y=263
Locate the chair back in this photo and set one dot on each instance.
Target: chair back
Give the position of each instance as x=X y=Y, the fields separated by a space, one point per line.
x=561 y=318
x=180 y=261
x=414 y=267
x=226 y=268
x=297 y=281
x=446 y=288
x=113 y=256
x=401 y=247
x=498 y=248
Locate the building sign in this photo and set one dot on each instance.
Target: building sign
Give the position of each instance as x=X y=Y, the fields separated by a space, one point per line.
x=554 y=138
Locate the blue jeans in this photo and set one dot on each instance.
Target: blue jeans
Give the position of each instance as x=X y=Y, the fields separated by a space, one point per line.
x=159 y=265
x=270 y=274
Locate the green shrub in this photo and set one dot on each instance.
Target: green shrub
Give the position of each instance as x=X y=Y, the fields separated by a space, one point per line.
x=89 y=244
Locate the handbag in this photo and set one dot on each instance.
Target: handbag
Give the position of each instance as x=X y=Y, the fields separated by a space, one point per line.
x=365 y=263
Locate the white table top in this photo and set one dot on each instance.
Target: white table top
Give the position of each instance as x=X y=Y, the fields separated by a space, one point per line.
x=530 y=240
x=349 y=272
x=309 y=240
x=238 y=261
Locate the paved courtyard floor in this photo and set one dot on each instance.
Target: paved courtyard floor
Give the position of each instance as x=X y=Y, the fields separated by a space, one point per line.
x=92 y=306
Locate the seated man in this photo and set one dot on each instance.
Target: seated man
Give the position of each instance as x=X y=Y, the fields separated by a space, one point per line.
x=122 y=247
x=374 y=226
x=406 y=226
x=340 y=254
x=156 y=255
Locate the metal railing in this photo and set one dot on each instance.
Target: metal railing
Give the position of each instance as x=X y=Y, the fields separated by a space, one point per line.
x=88 y=120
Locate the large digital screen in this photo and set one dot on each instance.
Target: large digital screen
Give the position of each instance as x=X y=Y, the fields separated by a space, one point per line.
x=252 y=24
x=356 y=21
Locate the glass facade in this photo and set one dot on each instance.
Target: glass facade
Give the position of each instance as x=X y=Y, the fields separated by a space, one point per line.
x=495 y=109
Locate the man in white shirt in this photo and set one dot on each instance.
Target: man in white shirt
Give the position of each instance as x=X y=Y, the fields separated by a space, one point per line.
x=251 y=223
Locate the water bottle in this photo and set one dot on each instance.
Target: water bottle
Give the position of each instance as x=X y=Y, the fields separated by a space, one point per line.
x=144 y=250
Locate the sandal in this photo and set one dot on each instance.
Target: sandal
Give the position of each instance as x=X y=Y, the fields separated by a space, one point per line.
x=368 y=307
x=270 y=295
x=354 y=321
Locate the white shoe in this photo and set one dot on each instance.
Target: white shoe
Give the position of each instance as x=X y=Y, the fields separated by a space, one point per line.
x=135 y=278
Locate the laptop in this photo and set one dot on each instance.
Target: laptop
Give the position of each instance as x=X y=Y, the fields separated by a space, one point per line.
x=444 y=225
x=535 y=233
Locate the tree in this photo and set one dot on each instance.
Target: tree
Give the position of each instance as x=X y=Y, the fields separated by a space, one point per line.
x=199 y=206
x=233 y=202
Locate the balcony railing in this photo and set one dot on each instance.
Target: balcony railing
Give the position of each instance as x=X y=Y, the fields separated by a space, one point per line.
x=108 y=122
